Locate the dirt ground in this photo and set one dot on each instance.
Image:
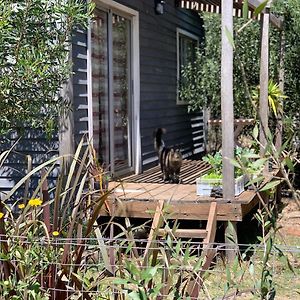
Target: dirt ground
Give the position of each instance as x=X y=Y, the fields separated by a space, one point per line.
x=287 y=284
x=289 y=218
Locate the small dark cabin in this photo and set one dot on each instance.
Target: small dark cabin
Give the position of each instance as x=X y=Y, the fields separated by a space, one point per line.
x=124 y=85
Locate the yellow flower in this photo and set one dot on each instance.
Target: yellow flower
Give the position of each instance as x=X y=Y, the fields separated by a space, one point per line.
x=21 y=206
x=35 y=202
x=55 y=233
x=1 y=215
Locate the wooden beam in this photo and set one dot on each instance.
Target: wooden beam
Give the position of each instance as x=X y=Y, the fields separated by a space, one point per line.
x=264 y=81
x=208 y=251
x=66 y=133
x=227 y=100
x=279 y=125
x=211 y=229
x=156 y=223
x=227 y=105
x=181 y=210
x=231 y=240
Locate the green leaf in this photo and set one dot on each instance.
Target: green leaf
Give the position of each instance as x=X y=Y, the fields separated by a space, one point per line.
x=198 y=265
x=245 y=9
x=258 y=179
x=260 y=8
x=235 y=265
x=229 y=37
x=142 y=294
x=120 y=281
x=226 y=288
x=228 y=275
x=284 y=259
x=289 y=164
x=186 y=255
x=134 y=296
x=258 y=164
x=260 y=239
x=255 y=132
x=235 y=163
x=251 y=155
x=267 y=224
x=149 y=273
x=251 y=269
x=270 y=185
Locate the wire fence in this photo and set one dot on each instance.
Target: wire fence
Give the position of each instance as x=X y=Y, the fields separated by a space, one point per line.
x=103 y=268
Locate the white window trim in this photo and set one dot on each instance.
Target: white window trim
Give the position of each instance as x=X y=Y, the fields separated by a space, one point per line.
x=136 y=138
x=180 y=31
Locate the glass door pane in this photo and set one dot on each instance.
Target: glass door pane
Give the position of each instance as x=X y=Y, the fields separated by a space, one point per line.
x=100 y=93
x=121 y=92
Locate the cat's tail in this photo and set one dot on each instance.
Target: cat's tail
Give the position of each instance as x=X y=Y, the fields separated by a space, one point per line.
x=158 y=141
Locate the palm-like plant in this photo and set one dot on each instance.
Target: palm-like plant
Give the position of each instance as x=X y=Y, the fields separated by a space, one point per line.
x=275 y=97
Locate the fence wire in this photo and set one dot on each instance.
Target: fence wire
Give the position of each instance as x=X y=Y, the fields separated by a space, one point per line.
x=93 y=268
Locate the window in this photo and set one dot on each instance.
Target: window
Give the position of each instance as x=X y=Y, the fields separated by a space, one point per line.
x=187 y=44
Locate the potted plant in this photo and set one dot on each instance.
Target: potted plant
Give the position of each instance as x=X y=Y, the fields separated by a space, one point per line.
x=213 y=179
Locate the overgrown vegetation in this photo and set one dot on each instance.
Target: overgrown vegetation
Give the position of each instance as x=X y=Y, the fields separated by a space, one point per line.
x=35 y=41
x=52 y=246
x=65 y=254
x=32 y=264
x=202 y=88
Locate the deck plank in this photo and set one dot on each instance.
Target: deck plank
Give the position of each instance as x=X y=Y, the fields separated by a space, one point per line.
x=174 y=210
x=138 y=195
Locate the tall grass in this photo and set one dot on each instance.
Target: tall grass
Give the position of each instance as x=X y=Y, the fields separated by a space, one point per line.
x=30 y=226
x=53 y=248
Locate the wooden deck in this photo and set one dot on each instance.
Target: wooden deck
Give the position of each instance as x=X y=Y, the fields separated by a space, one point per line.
x=138 y=196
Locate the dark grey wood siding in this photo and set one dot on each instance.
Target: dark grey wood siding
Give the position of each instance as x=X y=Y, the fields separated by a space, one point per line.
x=158 y=78
x=158 y=75
x=79 y=84
x=33 y=144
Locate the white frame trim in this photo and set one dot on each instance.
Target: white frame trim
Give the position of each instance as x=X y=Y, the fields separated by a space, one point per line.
x=136 y=136
x=180 y=31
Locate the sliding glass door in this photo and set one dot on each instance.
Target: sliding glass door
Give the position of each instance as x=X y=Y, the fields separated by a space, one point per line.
x=111 y=89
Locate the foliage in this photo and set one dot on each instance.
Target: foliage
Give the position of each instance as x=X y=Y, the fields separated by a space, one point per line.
x=34 y=56
x=290 y=10
x=275 y=98
x=65 y=250
x=202 y=88
x=215 y=161
x=203 y=78
x=245 y=157
x=33 y=260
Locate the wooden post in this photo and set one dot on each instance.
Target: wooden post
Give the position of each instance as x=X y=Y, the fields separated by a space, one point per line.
x=264 y=80
x=227 y=106
x=279 y=125
x=227 y=100
x=66 y=123
x=231 y=240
